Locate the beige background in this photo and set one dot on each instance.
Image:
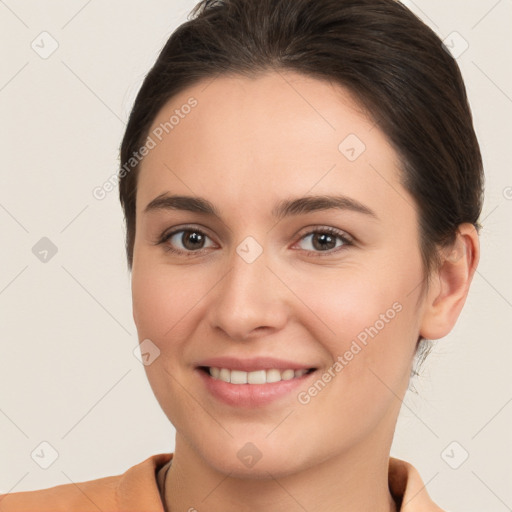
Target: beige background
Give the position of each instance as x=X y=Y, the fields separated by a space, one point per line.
x=68 y=375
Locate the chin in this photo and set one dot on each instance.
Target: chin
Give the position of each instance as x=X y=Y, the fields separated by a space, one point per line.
x=268 y=467
x=260 y=459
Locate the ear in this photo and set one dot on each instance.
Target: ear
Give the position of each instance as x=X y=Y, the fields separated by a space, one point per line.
x=450 y=284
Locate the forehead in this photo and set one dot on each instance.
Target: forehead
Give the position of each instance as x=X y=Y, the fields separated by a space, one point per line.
x=280 y=133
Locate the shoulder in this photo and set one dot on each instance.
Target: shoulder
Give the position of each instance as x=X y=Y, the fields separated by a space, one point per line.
x=407 y=487
x=91 y=495
x=131 y=490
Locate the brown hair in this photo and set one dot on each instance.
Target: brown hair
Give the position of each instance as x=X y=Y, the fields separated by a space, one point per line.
x=393 y=63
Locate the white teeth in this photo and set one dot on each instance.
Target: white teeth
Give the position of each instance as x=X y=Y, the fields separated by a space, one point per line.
x=288 y=374
x=259 y=377
x=256 y=377
x=273 y=375
x=225 y=375
x=238 y=377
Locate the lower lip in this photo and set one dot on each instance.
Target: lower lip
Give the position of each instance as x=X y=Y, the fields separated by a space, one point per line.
x=251 y=395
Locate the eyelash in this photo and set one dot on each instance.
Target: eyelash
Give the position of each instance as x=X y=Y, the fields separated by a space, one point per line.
x=347 y=241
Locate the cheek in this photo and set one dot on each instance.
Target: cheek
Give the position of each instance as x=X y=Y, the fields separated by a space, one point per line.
x=368 y=324
x=161 y=302
x=163 y=305
x=371 y=352
x=346 y=302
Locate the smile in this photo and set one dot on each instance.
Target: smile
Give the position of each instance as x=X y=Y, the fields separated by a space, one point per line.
x=255 y=377
x=258 y=385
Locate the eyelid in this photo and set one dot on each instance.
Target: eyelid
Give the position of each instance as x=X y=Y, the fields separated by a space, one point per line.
x=319 y=228
x=186 y=227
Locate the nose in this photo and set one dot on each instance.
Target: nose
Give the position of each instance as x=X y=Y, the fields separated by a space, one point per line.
x=249 y=301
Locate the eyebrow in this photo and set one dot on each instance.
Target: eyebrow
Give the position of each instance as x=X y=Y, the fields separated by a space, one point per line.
x=285 y=208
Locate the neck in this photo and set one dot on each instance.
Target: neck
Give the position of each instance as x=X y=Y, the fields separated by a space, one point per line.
x=352 y=481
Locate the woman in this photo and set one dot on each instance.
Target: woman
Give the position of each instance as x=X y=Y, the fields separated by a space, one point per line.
x=302 y=184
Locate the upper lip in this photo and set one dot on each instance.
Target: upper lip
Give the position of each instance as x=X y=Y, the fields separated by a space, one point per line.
x=252 y=364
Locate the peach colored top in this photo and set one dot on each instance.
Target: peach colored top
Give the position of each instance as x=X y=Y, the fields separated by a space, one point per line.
x=138 y=490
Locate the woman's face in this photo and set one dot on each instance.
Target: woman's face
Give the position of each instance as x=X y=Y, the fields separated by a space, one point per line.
x=270 y=281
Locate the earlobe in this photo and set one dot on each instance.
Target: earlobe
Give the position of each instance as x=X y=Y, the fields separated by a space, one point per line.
x=447 y=296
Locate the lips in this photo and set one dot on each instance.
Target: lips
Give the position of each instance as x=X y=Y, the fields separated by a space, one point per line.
x=252 y=382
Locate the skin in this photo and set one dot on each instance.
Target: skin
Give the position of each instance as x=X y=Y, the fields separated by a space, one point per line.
x=248 y=144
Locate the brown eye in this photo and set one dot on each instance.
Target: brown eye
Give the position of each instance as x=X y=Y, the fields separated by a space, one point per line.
x=326 y=240
x=192 y=240
x=186 y=241
x=323 y=241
